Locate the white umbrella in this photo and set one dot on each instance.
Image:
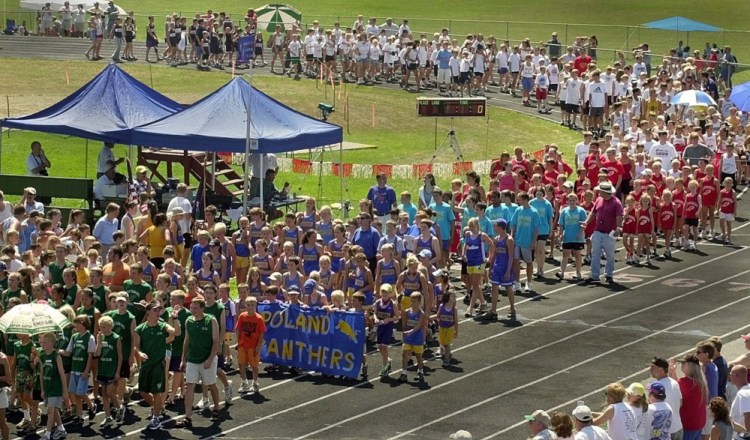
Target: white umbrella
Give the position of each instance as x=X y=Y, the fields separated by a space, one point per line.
x=277 y=14
x=33 y=319
x=693 y=98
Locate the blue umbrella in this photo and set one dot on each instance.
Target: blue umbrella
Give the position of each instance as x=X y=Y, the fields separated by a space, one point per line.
x=692 y=98
x=741 y=96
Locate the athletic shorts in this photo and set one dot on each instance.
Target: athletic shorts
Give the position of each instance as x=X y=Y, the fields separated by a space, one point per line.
x=329 y=58
x=3 y=397
x=552 y=88
x=416 y=349
x=691 y=221
x=463 y=78
x=479 y=74
x=151 y=379
x=475 y=270
x=445 y=243
x=585 y=109
x=384 y=334
x=502 y=70
x=497 y=277
x=309 y=57
x=573 y=246
x=726 y=217
x=104 y=380
x=174 y=364
x=242 y=262
x=527 y=84
x=195 y=373
x=541 y=94
x=523 y=254
x=542 y=237
x=247 y=356
x=596 y=111
x=454 y=79
x=53 y=402
x=572 y=108
x=125 y=368
x=78 y=384
x=446 y=335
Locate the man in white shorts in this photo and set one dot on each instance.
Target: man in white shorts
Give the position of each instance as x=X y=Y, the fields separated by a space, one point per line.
x=199 y=358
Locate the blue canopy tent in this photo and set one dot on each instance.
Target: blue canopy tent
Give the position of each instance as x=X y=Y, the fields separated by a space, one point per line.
x=238 y=118
x=105 y=109
x=681 y=24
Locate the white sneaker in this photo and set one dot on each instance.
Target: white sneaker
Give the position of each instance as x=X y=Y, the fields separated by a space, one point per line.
x=256 y=387
x=45 y=436
x=528 y=288
x=204 y=403
x=59 y=433
x=244 y=387
x=109 y=421
x=700 y=235
x=228 y=394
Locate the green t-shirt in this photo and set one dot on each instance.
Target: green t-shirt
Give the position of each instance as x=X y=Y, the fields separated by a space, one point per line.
x=100 y=298
x=62 y=344
x=108 y=360
x=4 y=283
x=56 y=272
x=201 y=338
x=80 y=346
x=153 y=342
x=23 y=357
x=122 y=328
x=178 y=341
x=51 y=376
x=11 y=345
x=70 y=294
x=136 y=293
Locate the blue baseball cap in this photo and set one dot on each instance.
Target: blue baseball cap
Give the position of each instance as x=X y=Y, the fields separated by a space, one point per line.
x=502 y=223
x=658 y=390
x=309 y=287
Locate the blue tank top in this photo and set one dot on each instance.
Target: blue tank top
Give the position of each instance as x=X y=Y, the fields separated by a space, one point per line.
x=207 y=279
x=310 y=259
x=264 y=265
x=241 y=247
x=173 y=282
x=385 y=310
x=388 y=273
x=446 y=318
x=307 y=222
x=412 y=283
x=501 y=254
x=295 y=281
x=318 y=301
x=336 y=255
x=474 y=248
x=291 y=235
x=423 y=245
x=148 y=274
x=325 y=230
x=255 y=234
x=412 y=319
x=325 y=280
x=255 y=290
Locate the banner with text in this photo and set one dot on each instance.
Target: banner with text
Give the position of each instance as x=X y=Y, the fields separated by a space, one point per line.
x=313 y=339
x=246 y=48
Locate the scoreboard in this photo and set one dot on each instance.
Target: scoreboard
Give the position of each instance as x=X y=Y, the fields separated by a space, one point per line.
x=451 y=107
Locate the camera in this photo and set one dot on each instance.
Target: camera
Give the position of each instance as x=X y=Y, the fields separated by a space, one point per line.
x=325 y=110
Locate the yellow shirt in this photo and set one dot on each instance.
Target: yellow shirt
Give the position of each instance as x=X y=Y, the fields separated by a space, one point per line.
x=156 y=241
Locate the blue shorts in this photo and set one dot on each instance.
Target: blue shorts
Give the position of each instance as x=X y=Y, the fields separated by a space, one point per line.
x=497 y=276
x=527 y=83
x=384 y=334
x=502 y=70
x=446 y=244
x=78 y=385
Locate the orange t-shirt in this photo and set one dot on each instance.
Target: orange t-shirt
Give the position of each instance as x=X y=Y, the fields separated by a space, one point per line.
x=115 y=277
x=250 y=329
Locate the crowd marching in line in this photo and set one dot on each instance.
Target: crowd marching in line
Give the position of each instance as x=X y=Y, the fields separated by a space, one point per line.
x=147 y=288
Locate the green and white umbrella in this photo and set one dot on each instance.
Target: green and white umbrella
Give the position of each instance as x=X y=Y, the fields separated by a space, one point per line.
x=277 y=14
x=33 y=319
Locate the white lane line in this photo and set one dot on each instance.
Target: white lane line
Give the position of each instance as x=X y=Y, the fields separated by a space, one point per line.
x=518 y=356
x=585 y=362
x=598 y=391
x=372 y=381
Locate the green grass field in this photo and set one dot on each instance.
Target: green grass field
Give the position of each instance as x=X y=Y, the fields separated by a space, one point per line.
x=400 y=136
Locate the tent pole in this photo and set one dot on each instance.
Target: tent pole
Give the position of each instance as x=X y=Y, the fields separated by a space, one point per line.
x=86 y=161
x=341 y=173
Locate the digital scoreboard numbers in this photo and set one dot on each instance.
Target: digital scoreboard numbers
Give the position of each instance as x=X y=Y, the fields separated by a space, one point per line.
x=451 y=107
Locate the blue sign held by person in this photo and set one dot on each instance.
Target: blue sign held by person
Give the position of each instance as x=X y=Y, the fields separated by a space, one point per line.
x=313 y=339
x=246 y=48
